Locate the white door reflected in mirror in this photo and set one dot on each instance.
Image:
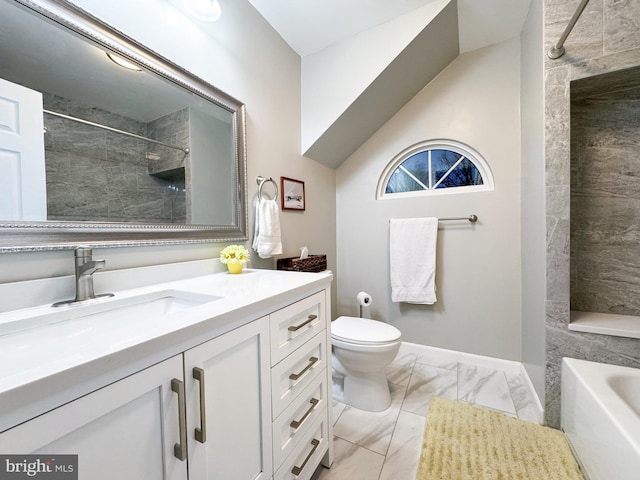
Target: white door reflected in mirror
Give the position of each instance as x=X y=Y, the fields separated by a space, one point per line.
x=23 y=189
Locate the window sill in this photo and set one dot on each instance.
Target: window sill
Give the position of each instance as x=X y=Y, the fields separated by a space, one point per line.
x=605 y=324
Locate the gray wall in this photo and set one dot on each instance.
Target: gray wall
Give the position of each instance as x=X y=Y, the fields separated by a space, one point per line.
x=606 y=38
x=532 y=198
x=475 y=100
x=213 y=181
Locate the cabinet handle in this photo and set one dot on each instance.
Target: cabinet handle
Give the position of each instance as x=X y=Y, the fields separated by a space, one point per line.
x=295 y=424
x=201 y=433
x=295 y=328
x=298 y=470
x=180 y=449
x=296 y=376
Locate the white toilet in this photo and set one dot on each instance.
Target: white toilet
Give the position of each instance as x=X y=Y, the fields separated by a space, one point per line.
x=362 y=348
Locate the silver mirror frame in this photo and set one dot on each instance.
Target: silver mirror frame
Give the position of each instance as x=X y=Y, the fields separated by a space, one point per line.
x=43 y=236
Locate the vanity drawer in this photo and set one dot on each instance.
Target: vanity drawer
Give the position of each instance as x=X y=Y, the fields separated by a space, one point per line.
x=294 y=325
x=307 y=453
x=298 y=417
x=293 y=374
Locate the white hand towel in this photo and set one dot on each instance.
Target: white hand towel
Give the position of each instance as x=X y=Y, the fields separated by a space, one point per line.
x=412 y=255
x=267 y=240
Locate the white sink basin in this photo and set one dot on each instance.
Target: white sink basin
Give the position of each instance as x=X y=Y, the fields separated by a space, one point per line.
x=128 y=308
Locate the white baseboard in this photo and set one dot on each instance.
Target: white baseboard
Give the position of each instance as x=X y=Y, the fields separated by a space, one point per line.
x=463 y=357
x=534 y=395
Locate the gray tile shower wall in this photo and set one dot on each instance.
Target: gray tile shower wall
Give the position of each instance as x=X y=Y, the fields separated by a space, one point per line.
x=173 y=129
x=605 y=200
x=97 y=175
x=605 y=39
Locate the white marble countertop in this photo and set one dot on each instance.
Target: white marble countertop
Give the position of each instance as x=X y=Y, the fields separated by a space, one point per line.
x=47 y=365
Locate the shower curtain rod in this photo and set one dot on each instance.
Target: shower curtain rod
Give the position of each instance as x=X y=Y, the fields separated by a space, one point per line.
x=558 y=50
x=111 y=129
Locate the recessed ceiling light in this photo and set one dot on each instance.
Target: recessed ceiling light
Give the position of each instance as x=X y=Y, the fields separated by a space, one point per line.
x=123 y=62
x=205 y=10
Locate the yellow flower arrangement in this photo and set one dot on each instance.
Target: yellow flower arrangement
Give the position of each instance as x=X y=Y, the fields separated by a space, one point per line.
x=234 y=254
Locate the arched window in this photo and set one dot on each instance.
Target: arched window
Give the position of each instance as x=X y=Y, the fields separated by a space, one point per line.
x=434 y=167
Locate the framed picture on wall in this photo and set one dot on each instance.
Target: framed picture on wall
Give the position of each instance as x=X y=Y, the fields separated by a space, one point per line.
x=292 y=194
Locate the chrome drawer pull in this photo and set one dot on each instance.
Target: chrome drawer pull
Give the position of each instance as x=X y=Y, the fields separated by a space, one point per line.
x=201 y=433
x=295 y=328
x=180 y=449
x=298 y=470
x=295 y=424
x=296 y=376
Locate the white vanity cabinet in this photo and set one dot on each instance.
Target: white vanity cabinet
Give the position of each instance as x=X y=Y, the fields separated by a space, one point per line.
x=126 y=430
x=245 y=401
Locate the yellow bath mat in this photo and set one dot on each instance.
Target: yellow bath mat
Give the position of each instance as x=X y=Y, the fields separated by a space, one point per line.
x=466 y=442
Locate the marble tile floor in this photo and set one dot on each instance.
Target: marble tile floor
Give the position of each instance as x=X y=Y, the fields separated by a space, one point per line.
x=386 y=445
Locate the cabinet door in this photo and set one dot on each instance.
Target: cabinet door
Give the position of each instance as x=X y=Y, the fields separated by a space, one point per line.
x=229 y=401
x=126 y=430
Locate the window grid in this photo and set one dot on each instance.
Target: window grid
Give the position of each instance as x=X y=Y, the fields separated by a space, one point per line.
x=415 y=179
x=462 y=157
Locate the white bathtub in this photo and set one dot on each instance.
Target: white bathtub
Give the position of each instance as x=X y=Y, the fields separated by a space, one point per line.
x=601 y=418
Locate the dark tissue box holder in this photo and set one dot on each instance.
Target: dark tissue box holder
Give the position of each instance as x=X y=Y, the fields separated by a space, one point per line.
x=313 y=263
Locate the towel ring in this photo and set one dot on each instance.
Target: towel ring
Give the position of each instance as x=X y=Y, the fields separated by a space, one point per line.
x=261 y=181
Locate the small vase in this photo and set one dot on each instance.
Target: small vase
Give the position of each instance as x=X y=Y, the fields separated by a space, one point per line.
x=234 y=267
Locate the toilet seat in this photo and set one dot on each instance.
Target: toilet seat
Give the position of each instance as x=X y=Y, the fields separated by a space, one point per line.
x=363 y=331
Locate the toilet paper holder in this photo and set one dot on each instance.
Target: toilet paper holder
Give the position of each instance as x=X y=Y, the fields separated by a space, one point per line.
x=364 y=300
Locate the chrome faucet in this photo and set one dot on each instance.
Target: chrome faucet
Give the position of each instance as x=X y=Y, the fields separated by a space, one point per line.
x=85 y=268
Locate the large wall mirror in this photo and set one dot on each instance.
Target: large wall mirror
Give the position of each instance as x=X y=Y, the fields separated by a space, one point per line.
x=104 y=142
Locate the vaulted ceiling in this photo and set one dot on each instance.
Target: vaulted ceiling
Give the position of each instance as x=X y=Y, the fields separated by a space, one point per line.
x=321 y=29
x=312 y=25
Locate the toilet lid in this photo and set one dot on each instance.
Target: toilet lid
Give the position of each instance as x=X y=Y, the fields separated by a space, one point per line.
x=363 y=330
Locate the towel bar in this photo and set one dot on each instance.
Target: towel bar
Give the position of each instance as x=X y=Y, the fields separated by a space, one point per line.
x=261 y=181
x=471 y=218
